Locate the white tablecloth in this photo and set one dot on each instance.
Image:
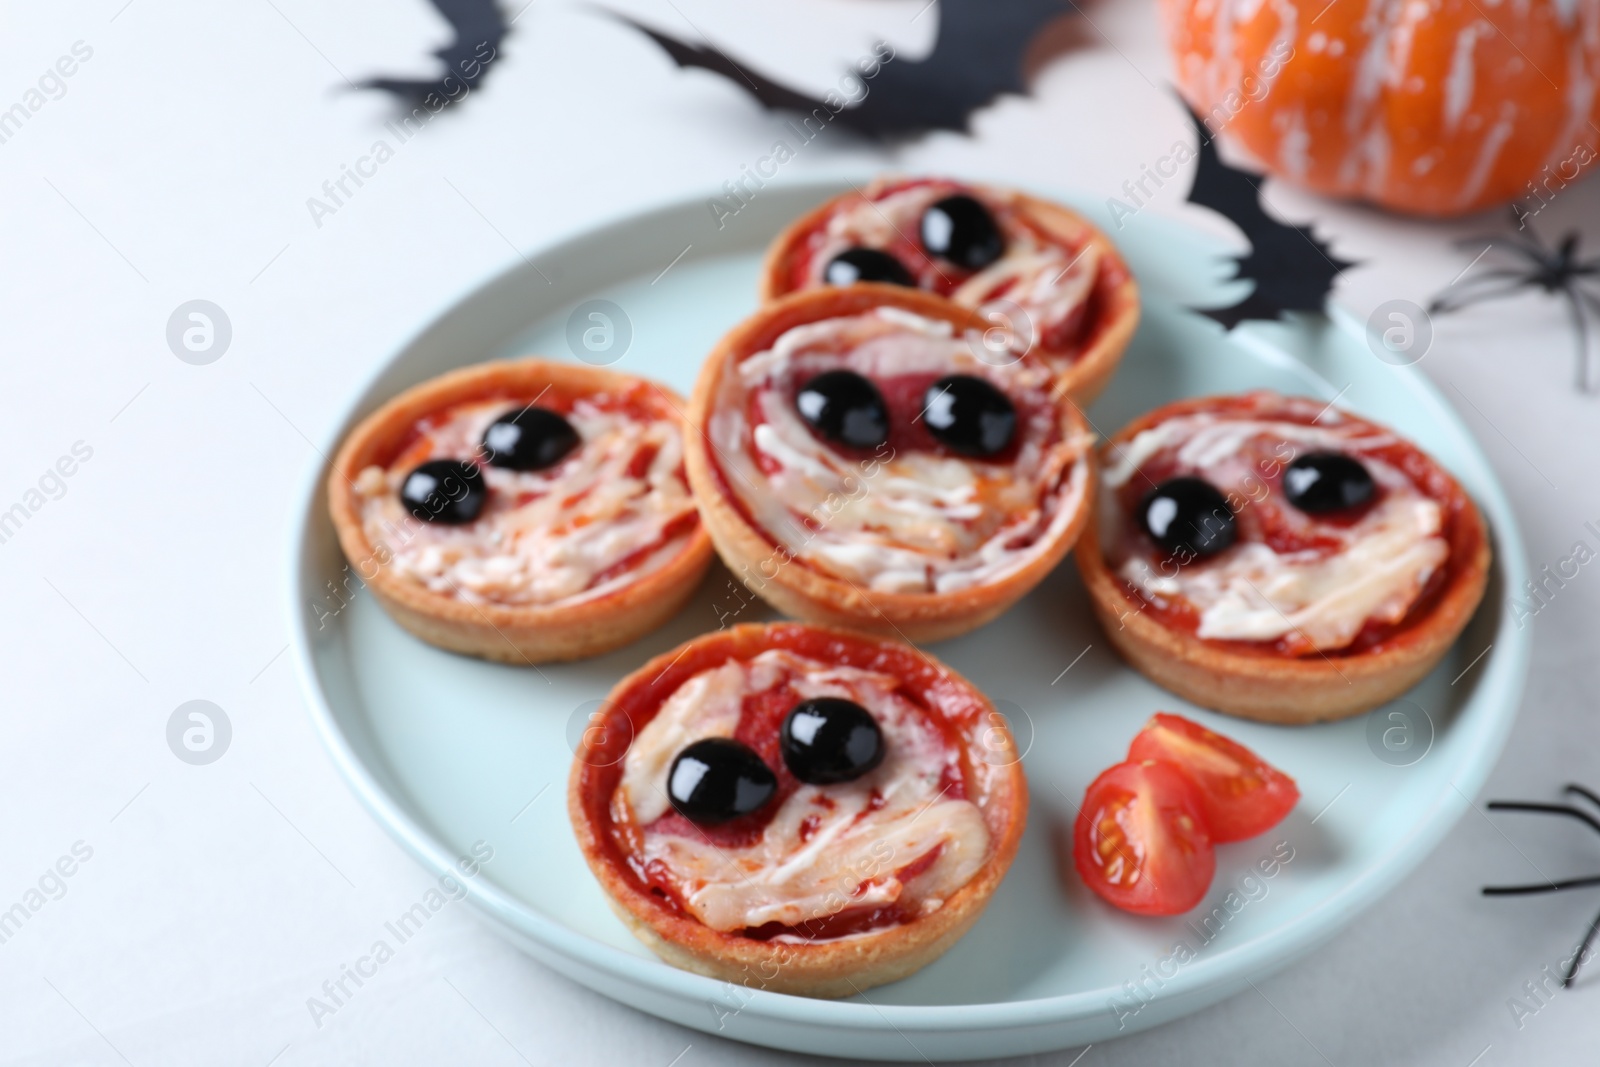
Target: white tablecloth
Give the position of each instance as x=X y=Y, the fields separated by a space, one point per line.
x=175 y=162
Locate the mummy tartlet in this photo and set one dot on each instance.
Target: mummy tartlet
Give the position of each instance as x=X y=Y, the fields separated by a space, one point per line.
x=1034 y=268
x=522 y=511
x=798 y=809
x=860 y=458
x=1278 y=559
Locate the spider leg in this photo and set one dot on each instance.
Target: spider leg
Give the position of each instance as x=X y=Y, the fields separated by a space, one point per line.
x=1546 y=809
x=1589 y=298
x=1501 y=242
x=1540 y=887
x=1586 y=338
x=1578 y=956
x=1571 y=883
x=1505 y=256
x=1579 y=298
x=1491 y=275
x=1536 y=241
x=1573 y=787
x=1470 y=292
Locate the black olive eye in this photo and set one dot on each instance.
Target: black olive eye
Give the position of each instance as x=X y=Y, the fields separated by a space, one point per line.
x=450 y=491
x=1188 y=516
x=968 y=415
x=717 y=779
x=827 y=740
x=1327 y=481
x=529 y=439
x=843 y=406
x=960 y=229
x=866 y=265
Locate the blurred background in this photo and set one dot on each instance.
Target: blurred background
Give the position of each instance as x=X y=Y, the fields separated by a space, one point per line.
x=188 y=157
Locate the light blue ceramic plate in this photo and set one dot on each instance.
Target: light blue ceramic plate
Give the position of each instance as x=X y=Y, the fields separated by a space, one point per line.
x=446 y=751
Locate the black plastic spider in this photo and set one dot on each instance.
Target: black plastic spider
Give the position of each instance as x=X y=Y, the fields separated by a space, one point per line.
x=1553 y=887
x=1536 y=265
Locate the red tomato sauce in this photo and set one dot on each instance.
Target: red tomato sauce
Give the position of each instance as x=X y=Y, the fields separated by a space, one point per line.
x=908 y=432
x=1075 y=333
x=1260 y=515
x=949 y=705
x=640 y=402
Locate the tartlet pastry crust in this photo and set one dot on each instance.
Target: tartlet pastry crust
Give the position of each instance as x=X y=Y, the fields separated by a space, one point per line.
x=833 y=968
x=517 y=634
x=1116 y=294
x=797 y=589
x=1264 y=684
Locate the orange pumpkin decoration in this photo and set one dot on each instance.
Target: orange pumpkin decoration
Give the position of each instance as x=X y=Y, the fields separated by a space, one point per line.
x=1434 y=107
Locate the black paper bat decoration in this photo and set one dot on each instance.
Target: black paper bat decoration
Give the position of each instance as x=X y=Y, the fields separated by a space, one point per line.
x=977 y=56
x=1586 y=882
x=1536 y=265
x=1291 y=268
x=479 y=27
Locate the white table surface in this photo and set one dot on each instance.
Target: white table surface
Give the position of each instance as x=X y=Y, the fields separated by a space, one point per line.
x=177 y=164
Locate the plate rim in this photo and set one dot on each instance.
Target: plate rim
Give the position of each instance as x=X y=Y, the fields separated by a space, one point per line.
x=1291 y=941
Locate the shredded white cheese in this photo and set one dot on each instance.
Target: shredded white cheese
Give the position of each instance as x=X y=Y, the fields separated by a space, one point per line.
x=908 y=522
x=827 y=849
x=543 y=536
x=1250 y=592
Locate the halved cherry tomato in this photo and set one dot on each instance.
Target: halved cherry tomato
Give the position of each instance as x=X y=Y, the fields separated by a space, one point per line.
x=1243 y=794
x=1141 y=841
